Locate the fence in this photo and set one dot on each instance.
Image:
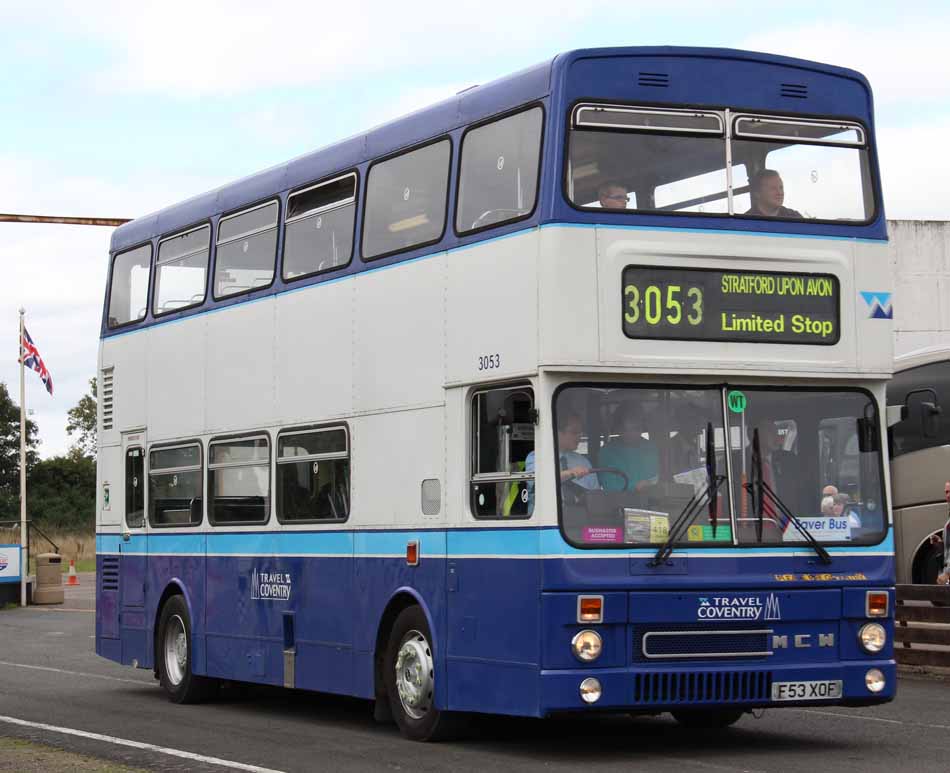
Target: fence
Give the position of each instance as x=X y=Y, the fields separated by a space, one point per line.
x=922 y=633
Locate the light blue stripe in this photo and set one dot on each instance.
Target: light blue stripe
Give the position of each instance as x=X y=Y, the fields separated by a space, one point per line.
x=469 y=542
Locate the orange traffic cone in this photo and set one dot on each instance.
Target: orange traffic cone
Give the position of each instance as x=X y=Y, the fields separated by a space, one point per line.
x=73 y=577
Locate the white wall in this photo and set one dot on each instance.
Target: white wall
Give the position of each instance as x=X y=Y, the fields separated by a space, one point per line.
x=920 y=259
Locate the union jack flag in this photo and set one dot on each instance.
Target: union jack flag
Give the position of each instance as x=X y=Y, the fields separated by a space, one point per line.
x=30 y=357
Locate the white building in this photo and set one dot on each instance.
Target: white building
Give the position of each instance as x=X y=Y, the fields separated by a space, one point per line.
x=920 y=256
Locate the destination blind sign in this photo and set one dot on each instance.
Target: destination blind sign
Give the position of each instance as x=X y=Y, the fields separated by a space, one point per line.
x=694 y=304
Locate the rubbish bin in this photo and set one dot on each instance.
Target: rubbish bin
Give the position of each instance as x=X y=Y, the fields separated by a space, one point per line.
x=49 y=579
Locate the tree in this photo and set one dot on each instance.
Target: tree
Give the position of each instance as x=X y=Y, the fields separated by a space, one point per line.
x=62 y=493
x=10 y=454
x=82 y=420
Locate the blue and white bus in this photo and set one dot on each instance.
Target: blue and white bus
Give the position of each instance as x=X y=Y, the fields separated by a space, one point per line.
x=563 y=394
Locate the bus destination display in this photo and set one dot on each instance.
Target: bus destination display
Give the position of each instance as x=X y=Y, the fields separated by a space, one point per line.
x=714 y=305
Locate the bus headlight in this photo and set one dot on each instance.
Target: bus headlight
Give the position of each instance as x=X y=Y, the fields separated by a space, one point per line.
x=872 y=637
x=874 y=680
x=587 y=645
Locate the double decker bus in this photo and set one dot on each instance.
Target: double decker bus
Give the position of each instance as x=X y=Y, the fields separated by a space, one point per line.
x=563 y=394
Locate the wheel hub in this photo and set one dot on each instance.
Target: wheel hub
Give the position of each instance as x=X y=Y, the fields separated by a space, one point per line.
x=414 y=675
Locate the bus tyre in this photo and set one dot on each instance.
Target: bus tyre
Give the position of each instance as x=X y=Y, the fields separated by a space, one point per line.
x=707 y=719
x=409 y=676
x=173 y=653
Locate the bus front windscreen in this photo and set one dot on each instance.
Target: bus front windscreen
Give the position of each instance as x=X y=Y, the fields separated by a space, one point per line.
x=717 y=466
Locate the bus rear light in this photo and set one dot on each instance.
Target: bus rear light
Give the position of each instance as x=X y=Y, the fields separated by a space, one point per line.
x=412 y=553
x=877 y=603
x=590 y=609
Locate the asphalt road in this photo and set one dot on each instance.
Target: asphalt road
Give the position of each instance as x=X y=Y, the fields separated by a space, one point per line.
x=50 y=674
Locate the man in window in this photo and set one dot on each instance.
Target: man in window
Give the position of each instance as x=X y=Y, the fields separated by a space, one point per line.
x=573 y=466
x=612 y=195
x=768 y=194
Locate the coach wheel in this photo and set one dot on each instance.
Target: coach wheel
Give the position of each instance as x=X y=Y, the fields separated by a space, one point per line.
x=410 y=680
x=707 y=719
x=174 y=655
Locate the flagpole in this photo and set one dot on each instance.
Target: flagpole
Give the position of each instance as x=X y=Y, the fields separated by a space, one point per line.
x=24 y=556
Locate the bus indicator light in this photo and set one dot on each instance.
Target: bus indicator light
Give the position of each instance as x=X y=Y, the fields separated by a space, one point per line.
x=877 y=603
x=590 y=609
x=412 y=553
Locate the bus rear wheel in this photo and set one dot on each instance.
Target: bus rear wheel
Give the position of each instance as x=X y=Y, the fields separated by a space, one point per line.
x=173 y=654
x=707 y=719
x=409 y=675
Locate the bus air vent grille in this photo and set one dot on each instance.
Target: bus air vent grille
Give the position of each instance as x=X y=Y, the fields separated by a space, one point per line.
x=794 y=90
x=700 y=642
x=656 y=79
x=106 y=389
x=664 y=688
x=110 y=574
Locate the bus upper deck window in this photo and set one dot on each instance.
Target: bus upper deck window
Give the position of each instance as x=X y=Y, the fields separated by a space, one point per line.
x=318 y=235
x=406 y=200
x=499 y=171
x=659 y=159
x=128 y=294
x=181 y=270
x=796 y=169
x=246 y=250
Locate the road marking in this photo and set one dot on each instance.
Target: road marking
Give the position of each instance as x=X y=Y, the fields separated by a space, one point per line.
x=861 y=718
x=65 y=609
x=138 y=745
x=73 y=673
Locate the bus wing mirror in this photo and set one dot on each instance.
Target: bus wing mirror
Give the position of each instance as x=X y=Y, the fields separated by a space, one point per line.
x=930 y=418
x=896 y=414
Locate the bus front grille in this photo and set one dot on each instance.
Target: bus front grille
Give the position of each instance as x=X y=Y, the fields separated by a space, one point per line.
x=671 y=687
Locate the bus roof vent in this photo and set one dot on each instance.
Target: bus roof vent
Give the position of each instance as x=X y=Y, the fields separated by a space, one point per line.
x=657 y=79
x=794 y=90
x=105 y=392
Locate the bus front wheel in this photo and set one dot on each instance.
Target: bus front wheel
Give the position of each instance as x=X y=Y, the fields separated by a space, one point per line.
x=707 y=719
x=173 y=653
x=410 y=680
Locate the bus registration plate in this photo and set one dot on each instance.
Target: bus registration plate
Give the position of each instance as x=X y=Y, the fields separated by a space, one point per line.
x=806 y=691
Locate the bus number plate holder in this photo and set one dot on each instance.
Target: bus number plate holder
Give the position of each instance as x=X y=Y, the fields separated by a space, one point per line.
x=825 y=689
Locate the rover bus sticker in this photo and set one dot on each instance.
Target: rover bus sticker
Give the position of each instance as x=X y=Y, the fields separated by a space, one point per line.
x=270 y=586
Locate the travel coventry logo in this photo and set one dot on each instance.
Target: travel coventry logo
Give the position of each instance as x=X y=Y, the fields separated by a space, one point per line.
x=879 y=305
x=738 y=608
x=270 y=586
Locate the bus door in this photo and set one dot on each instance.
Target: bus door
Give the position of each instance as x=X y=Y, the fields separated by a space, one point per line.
x=133 y=549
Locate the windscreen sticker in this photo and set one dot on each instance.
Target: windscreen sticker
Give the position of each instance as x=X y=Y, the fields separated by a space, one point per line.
x=645 y=525
x=704 y=533
x=823 y=529
x=737 y=400
x=602 y=535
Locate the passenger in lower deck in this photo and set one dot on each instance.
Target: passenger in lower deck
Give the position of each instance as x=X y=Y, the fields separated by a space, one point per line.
x=629 y=452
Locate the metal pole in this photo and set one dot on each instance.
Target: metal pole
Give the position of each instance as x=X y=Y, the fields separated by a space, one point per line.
x=61 y=220
x=24 y=549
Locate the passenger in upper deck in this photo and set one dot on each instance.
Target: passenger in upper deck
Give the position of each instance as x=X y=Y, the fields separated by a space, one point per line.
x=612 y=195
x=768 y=194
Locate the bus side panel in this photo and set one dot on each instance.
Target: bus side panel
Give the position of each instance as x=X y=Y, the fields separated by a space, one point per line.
x=177 y=560
x=272 y=596
x=494 y=622
x=381 y=573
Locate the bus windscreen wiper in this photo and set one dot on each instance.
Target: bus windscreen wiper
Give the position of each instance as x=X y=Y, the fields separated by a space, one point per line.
x=759 y=491
x=693 y=507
